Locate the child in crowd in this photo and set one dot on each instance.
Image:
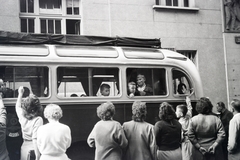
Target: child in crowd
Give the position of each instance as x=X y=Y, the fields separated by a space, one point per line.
x=105 y=89
x=184 y=113
x=107 y=135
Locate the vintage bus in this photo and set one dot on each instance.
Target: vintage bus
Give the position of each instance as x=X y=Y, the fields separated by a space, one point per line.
x=70 y=75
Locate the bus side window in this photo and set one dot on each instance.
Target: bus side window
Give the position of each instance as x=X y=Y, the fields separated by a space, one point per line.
x=86 y=82
x=181 y=82
x=146 y=82
x=33 y=79
x=71 y=82
x=105 y=79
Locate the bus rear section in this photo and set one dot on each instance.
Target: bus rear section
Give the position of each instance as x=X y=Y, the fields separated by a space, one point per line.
x=72 y=76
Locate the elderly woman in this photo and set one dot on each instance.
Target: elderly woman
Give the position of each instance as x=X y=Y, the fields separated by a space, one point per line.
x=107 y=135
x=140 y=135
x=168 y=134
x=143 y=88
x=206 y=132
x=54 y=138
x=29 y=114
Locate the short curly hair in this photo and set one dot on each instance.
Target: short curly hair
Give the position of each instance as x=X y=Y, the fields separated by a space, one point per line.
x=31 y=107
x=166 y=112
x=53 y=111
x=204 y=105
x=106 y=111
x=139 y=111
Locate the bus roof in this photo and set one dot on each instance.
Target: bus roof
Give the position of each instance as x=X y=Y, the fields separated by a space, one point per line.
x=32 y=38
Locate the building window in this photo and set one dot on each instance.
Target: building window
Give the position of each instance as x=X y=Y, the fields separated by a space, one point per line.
x=72 y=7
x=26 y=6
x=46 y=4
x=73 y=26
x=50 y=7
x=187 y=4
x=172 y=2
x=51 y=26
x=50 y=16
x=190 y=54
x=27 y=25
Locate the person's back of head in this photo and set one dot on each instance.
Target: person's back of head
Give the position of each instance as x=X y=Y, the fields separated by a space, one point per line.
x=236 y=105
x=31 y=107
x=139 y=111
x=166 y=112
x=183 y=109
x=53 y=111
x=204 y=106
x=106 y=111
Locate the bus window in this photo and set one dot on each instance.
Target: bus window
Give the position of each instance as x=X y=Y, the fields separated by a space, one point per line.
x=146 y=81
x=86 y=82
x=181 y=82
x=33 y=79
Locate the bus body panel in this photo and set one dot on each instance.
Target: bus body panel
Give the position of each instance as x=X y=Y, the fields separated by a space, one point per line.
x=79 y=113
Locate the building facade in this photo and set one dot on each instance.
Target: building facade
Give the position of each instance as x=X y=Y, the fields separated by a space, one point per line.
x=205 y=31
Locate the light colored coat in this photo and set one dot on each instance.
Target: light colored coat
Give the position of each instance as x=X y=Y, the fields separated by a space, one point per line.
x=53 y=139
x=109 y=139
x=141 y=141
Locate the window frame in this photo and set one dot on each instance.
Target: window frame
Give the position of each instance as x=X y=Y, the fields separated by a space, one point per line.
x=120 y=89
x=189 y=79
x=150 y=68
x=162 y=4
x=48 y=85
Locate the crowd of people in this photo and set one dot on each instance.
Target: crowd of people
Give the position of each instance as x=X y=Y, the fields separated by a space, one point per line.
x=177 y=135
x=40 y=142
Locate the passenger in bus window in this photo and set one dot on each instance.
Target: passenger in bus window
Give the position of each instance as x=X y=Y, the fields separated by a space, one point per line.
x=83 y=95
x=132 y=89
x=53 y=138
x=182 y=88
x=74 y=95
x=25 y=93
x=107 y=135
x=6 y=92
x=29 y=111
x=105 y=89
x=140 y=135
x=143 y=88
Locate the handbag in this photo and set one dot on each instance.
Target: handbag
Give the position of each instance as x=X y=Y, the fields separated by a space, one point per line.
x=31 y=155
